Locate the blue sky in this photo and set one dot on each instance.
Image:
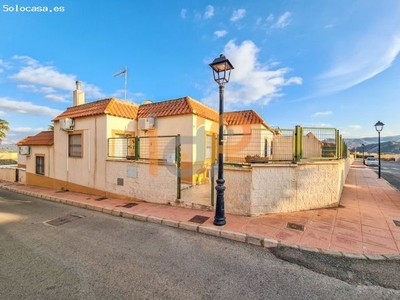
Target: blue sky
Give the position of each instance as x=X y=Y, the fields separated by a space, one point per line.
x=311 y=63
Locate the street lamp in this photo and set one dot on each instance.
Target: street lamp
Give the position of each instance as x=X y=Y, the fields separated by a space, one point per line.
x=363 y=159
x=222 y=72
x=379 y=127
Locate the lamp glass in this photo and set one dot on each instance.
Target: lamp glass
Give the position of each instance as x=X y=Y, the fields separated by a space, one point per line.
x=379 y=126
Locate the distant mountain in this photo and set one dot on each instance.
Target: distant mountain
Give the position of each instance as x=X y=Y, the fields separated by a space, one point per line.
x=8 y=148
x=371 y=140
x=386 y=147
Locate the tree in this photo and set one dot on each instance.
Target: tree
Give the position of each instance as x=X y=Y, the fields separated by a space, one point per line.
x=50 y=127
x=3 y=128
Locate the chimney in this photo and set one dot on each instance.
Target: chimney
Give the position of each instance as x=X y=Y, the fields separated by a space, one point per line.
x=79 y=95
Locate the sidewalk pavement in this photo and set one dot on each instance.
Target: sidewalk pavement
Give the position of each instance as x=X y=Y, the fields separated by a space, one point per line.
x=366 y=224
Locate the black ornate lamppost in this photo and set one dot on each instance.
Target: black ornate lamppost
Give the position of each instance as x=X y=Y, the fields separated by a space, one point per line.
x=378 y=128
x=222 y=71
x=363 y=146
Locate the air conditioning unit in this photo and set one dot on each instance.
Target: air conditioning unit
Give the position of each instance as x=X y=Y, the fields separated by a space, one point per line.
x=146 y=123
x=67 y=124
x=24 y=150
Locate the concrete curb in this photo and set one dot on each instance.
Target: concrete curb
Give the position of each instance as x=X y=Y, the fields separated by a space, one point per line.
x=221 y=233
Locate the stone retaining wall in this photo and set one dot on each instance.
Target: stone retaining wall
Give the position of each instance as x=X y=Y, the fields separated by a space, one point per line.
x=142 y=181
x=273 y=188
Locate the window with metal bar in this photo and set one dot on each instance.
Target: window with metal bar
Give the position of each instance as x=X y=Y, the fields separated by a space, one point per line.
x=40 y=165
x=75 y=145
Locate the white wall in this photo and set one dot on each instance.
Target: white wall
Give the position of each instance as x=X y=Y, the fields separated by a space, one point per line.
x=148 y=182
x=273 y=188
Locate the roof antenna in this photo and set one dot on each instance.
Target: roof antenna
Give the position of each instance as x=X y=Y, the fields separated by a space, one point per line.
x=125 y=72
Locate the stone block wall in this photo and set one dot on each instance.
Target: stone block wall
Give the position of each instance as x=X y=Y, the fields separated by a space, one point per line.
x=238 y=183
x=274 y=188
x=8 y=174
x=142 y=181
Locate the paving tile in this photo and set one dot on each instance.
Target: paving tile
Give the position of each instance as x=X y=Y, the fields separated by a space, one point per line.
x=347 y=243
x=343 y=250
x=351 y=234
x=377 y=223
x=324 y=219
x=349 y=211
x=308 y=214
x=331 y=212
x=288 y=235
x=374 y=249
x=376 y=231
x=296 y=220
x=235 y=226
x=320 y=226
x=396 y=235
x=266 y=231
x=379 y=241
x=272 y=222
x=315 y=238
x=349 y=217
x=348 y=225
x=393 y=227
x=370 y=215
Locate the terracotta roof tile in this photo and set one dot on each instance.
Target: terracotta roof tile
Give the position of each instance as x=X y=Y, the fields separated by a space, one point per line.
x=244 y=117
x=180 y=106
x=110 y=106
x=44 y=138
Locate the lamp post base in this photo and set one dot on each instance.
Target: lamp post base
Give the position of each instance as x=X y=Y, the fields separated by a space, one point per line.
x=219 y=219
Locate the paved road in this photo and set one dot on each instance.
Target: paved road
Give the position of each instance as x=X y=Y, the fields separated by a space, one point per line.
x=100 y=256
x=390 y=171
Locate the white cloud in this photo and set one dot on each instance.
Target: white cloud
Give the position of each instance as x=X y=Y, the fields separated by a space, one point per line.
x=209 y=13
x=23 y=107
x=183 y=13
x=26 y=130
x=355 y=127
x=361 y=60
x=321 y=113
x=283 y=20
x=4 y=65
x=367 y=58
x=238 y=14
x=57 y=98
x=220 y=33
x=251 y=81
x=26 y=60
x=48 y=77
x=91 y=90
x=270 y=18
x=34 y=89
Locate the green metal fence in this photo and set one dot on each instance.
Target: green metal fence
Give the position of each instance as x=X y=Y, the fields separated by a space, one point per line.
x=121 y=147
x=159 y=149
x=156 y=148
x=319 y=143
x=257 y=146
x=261 y=145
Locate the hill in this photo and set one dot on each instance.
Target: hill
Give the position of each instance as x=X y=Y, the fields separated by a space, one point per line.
x=371 y=140
x=386 y=147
